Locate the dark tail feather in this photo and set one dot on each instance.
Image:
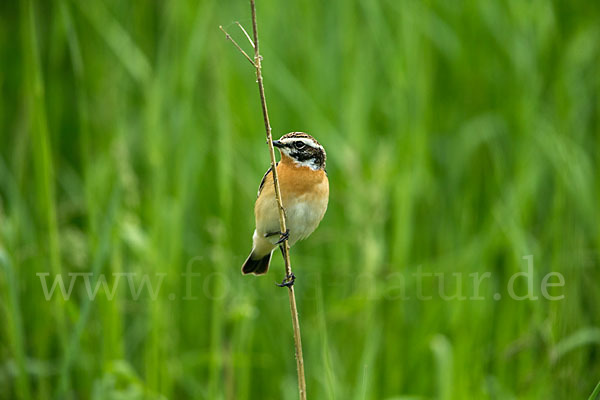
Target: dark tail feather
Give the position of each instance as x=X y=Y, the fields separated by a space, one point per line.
x=257 y=267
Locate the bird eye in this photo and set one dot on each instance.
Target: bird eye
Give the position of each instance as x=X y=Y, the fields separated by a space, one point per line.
x=299 y=145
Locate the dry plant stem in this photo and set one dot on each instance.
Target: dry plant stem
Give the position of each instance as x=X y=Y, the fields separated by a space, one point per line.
x=245 y=33
x=288 y=268
x=228 y=36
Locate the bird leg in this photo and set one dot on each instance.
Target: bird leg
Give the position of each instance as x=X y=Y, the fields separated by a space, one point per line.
x=282 y=248
x=289 y=280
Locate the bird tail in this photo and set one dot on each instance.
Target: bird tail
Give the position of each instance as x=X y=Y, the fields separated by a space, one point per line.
x=256 y=265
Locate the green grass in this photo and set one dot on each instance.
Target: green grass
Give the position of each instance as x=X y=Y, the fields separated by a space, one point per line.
x=462 y=137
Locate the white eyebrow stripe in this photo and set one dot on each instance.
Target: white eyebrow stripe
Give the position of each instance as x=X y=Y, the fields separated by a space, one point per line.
x=306 y=141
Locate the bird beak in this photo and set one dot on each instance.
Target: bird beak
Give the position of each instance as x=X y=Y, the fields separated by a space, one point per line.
x=277 y=144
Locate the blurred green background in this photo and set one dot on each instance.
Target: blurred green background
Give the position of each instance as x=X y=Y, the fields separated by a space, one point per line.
x=462 y=136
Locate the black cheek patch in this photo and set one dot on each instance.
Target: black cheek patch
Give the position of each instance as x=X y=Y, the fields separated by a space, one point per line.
x=301 y=156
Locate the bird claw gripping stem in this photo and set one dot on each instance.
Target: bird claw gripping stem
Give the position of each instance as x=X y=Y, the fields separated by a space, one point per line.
x=288 y=281
x=284 y=236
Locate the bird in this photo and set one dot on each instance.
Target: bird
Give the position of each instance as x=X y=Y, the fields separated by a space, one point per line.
x=304 y=187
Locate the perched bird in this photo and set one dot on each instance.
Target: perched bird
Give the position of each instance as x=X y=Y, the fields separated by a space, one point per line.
x=304 y=191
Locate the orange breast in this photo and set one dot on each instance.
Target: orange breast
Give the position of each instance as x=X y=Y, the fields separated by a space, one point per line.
x=296 y=181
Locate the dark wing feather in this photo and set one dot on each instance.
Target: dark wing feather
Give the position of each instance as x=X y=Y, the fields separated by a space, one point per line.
x=264 y=179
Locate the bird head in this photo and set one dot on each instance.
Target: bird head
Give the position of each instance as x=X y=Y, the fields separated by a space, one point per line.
x=303 y=149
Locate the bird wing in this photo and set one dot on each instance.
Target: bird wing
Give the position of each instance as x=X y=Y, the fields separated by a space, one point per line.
x=263 y=180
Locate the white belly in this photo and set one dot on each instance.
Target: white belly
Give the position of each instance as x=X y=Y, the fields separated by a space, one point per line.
x=303 y=218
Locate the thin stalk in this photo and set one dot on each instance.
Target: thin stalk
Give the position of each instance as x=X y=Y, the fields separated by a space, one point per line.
x=257 y=63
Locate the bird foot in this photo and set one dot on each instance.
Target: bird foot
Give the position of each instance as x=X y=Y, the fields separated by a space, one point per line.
x=288 y=281
x=284 y=236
